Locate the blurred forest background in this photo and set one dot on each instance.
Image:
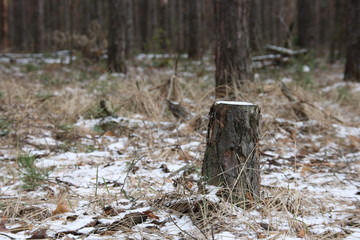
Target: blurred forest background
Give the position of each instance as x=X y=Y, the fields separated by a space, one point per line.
x=162 y=26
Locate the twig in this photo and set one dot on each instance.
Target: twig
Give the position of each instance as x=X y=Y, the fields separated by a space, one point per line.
x=184 y=168
x=182 y=230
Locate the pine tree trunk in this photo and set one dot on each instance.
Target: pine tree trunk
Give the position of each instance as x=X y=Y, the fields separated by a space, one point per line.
x=231 y=158
x=232 y=57
x=307 y=23
x=117 y=38
x=129 y=34
x=352 y=68
x=4 y=25
x=337 y=41
x=195 y=12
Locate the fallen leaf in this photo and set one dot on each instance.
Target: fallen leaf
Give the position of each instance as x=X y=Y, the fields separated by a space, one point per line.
x=150 y=214
x=188 y=184
x=2 y=225
x=260 y=235
x=109 y=133
x=184 y=156
x=301 y=233
x=39 y=234
x=355 y=141
x=249 y=196
x=305 y=169
x=61 y=208
x=110 y=211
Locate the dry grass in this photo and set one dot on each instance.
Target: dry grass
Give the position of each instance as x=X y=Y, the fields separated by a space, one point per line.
x=35 y=107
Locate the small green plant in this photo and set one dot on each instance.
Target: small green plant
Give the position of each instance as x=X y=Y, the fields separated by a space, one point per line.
x=31 y=175
x=106 y=126
x=67 y=127
x=30 y=67
x=90 y=148
x=98 y=111
x=5 y=127
x=344 y=94
x=303 y=68
x=49 y=79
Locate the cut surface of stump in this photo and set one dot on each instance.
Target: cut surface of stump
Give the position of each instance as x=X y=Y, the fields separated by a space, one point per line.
x=231 y=157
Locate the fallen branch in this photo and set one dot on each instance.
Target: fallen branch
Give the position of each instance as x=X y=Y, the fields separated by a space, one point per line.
x=286 y=51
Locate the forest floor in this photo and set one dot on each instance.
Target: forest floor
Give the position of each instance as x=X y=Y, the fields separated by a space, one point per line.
x=85 y=154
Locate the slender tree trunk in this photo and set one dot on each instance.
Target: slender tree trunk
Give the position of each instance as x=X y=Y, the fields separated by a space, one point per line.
x=232 y=57
x=307 y=23
x=195 y=36
x=338 y=31
x=255 y=25
x=161 y=31
x=180 y=25
x=352 y=67
x=39 y=25
x=129 y=34
x=4 y=25
x=231 y=158
x=143 y=21
x=116 y=37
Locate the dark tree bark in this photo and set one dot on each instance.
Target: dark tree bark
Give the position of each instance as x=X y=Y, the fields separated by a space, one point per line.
x=307 y=23
x=143 y=21
x=152 y=24
x=352 y=67
x=337 y=40
x=162 y=30
x=232 y=57
x=129 y=35
x=231 y=158
x=4 y=25
x=39 y=28
x=116 y=37
x=180 y=25
x=255 y=26
x=195 y=26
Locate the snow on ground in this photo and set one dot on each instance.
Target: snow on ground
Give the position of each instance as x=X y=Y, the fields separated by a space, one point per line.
x=305 y=193
x=141 y=180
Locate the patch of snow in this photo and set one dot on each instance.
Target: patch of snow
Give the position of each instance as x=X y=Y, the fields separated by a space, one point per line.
x=343 y=131
x=9 y=236
x=183 y=224
x=44 y=141
x=286 y=80
x=306 y=68
x=158 y=56
x=235 y=103
x=354 y=236
x=224 y=236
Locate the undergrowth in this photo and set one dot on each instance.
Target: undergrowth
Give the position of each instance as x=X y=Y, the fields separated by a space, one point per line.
x=31 y=175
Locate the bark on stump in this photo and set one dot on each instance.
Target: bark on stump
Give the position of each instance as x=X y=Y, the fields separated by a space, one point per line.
x=231 y=157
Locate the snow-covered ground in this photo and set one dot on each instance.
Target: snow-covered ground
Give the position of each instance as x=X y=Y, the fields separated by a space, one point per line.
x=140 y=179
x=130 y=187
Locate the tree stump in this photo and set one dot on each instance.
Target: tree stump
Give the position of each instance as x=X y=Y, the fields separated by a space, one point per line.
x=231 y=157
